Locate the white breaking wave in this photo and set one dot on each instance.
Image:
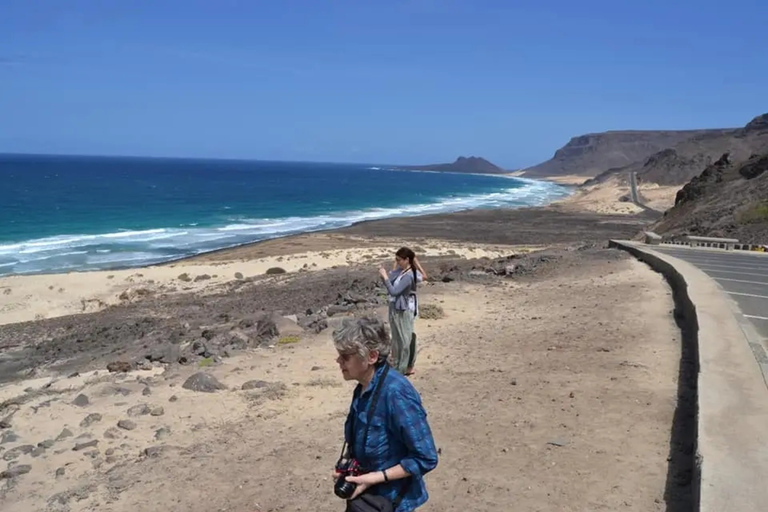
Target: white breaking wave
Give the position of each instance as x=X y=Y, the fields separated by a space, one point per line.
x=134 y=248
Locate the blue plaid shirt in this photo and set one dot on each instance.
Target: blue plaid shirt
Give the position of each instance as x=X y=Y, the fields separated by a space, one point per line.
x=399 y=434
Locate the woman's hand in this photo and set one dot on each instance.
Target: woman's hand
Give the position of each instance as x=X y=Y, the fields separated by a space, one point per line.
x=364 y=482
x=383 y=273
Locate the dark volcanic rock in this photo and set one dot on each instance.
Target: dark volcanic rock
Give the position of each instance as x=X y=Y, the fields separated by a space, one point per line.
x=119 y=366
x=81 y=401
x=314 y=323
x=14 y=453
x=90 y=420
x=13 y=472
x=88 y=444
x=126 y=424
x=698 y=186
x=754 y=167
x=254 y=384
x=139 y=410
x=65 y=433
x=203 y=382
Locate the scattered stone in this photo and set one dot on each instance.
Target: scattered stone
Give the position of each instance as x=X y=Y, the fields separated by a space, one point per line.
x=111 y=459
x=90 y=420
x=146 y=391
x=84 y=435
x=275 y=271
x=38 y=451
x=88 y=444
x=126 y=424
x=184 y=277
x=162 y=433
x=154 y=451
x=202 y=277
x=238 y=275
x=73 y=375
x=139 y=410
x=19 y=469
x=9 y=437
x=110 y=451
x=81 y=401
x=254 y=384
x=92 y=454
x=513 y=382
x=117 y=390
x=14 y=453
x=173 y=398
x=336 y=309
x=314 y=323
x=167 y=353
x=119 y=366
x=203 y=382
x=157 y=411
x=64 y=434
x=315 y=368
x=558 y=442
x=6 y=423
x=60 y=472
x=113 y=433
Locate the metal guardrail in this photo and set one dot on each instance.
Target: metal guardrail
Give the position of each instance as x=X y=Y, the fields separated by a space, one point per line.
x=728 y=244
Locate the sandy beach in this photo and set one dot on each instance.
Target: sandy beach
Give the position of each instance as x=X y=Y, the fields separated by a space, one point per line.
x=541 y=390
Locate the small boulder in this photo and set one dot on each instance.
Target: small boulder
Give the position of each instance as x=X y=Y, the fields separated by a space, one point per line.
x=119 y=366
x=113 y=433
x=14 y=453
x=13 y=472
x=139 y=410
x=162 y=433
x=81 y=401
x=126 y=424
x=254 y=384
x=203 y=382
x=90 y=420
x=65 y=433
x=157 y=411
x=9 y=436
x=88 y=444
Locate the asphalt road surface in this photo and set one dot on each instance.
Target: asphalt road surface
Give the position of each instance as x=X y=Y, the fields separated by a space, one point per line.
x=743 y=276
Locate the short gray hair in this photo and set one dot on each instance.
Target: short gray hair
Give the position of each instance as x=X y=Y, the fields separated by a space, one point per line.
x=362 y=336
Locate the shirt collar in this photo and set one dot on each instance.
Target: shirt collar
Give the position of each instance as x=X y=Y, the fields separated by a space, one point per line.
x=371 y=385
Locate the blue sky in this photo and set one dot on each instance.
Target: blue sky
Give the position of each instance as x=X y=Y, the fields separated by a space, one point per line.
x=385 y=81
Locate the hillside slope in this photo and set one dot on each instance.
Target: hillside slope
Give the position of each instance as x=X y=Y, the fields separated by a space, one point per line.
x=728 y=199
x=678 y=164
x=594 y=153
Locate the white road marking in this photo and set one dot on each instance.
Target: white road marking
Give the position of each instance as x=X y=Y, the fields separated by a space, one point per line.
x=758 y=317
x=732 y=272
x=739 y=280
x=748 y=295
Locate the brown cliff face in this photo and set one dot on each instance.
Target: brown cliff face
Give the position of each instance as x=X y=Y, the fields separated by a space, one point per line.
x=728 y=199
x=678 y=164
x=592 y=154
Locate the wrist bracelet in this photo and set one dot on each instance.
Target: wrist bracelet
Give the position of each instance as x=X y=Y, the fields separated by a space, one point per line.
x=384 y=472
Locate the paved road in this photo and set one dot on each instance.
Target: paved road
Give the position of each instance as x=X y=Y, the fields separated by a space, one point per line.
x=743 y=276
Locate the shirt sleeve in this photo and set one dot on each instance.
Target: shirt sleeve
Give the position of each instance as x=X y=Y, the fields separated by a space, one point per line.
x=408 y=420
x=405 y=283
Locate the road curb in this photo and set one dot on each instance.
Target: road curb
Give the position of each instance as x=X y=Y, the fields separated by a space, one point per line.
x=731 y=431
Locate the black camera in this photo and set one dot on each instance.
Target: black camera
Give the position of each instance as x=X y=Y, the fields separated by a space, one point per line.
x=345 y=468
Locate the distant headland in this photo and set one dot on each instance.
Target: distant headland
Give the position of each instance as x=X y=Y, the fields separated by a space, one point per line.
x=472 y=164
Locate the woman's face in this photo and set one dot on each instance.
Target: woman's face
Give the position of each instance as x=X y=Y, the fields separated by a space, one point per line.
x=352 y=366
x=401 y=262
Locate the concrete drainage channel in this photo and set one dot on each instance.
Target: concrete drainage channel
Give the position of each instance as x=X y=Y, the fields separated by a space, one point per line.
x=718 y=456
x=682 y=489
